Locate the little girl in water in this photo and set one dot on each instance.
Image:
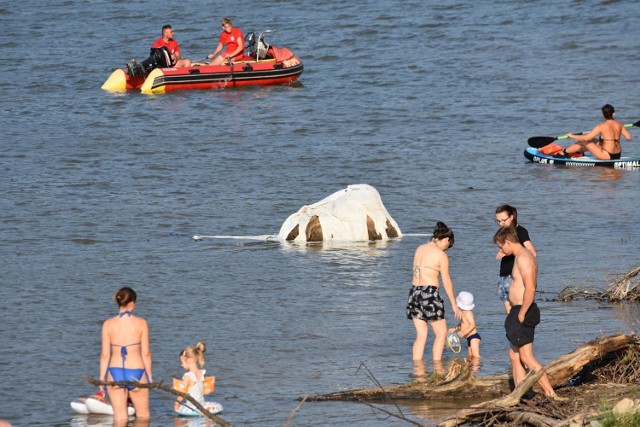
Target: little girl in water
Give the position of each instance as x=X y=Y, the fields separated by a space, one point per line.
x=193 y=382
x=467 y=326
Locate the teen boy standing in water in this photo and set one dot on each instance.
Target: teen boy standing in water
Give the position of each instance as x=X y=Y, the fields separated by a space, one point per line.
x=507 y=216
x=524 y=314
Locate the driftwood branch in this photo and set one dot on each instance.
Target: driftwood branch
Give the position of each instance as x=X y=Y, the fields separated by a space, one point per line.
x=390 y=414
x=161 y=386
x=480 y=411
x=559 y=371
x=567 y=366
x=514 y=416
x=293 y=413
x=501 y=404
x=531 y=419
x=624 y=288
x=514 y=397
x=458 y=383
x=461 y=383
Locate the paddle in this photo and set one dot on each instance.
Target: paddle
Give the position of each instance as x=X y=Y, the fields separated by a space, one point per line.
x=541 y=141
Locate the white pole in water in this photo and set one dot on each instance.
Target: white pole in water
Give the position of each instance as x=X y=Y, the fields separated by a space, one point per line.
x=268 y=237
x=198 y=238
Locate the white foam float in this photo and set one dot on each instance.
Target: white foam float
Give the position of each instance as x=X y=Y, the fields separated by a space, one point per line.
x=98 y=406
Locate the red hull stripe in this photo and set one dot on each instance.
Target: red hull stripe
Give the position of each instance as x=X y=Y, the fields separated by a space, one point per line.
x=237 y=78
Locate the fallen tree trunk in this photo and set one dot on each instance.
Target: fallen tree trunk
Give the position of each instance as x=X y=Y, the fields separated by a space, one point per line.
x=514 y=416
x=461 y=383
x=564 y=368
x=459 y=377
x=481 y=410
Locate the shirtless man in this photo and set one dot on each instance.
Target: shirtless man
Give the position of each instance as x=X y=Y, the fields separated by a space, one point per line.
x=607 y=147
x=524 y=315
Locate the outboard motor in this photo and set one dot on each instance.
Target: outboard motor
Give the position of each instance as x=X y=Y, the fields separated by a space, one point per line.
x=256 y=46
x=158 y=57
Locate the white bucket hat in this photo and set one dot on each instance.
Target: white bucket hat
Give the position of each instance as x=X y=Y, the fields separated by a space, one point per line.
x=465 y=301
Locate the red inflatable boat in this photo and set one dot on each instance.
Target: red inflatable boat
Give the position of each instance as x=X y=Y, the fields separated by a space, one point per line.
x=262 y=65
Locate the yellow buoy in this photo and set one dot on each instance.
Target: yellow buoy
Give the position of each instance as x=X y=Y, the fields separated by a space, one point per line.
x=117 y=81
x=147 y=86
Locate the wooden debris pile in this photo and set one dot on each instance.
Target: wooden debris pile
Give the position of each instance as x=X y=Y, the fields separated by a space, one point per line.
x=621 y=288
x=614 y=358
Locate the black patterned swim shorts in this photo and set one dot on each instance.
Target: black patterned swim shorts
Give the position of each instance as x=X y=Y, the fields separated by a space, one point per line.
x=425 y=303
x=523 y=333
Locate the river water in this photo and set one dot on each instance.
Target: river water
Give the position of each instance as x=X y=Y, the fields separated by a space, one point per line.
x=429 y=102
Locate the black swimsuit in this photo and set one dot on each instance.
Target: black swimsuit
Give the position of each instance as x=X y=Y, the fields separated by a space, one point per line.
x=612 y=156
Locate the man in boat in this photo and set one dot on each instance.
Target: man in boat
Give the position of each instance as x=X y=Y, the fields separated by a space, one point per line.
x=172 y=46
x=233 y=39
x=607 y=147
x=524 y=314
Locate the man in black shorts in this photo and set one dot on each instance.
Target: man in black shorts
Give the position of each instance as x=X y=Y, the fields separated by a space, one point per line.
x=521 y=321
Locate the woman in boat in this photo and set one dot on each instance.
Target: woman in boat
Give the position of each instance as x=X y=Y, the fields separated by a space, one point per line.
x=607 y=146
x=126 y=357
x=233 y=39
x=425 y=305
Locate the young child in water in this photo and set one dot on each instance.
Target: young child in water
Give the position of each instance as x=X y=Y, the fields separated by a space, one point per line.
x=467 y=326
x=193 y=382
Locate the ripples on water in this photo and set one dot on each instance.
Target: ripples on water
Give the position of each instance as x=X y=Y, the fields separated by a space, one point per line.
x=431 y=104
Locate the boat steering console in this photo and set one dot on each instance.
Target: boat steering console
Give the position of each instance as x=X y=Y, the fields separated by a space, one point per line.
x=256 y=46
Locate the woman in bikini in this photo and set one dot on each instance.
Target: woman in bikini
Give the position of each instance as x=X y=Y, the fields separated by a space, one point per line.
x=126 y=357
x=425 y=304
x=607 y=147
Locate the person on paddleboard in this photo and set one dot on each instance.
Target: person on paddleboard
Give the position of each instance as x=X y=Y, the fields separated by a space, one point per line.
x=607 y=146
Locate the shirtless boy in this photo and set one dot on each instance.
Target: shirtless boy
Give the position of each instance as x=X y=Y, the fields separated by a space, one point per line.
x=524 y=315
